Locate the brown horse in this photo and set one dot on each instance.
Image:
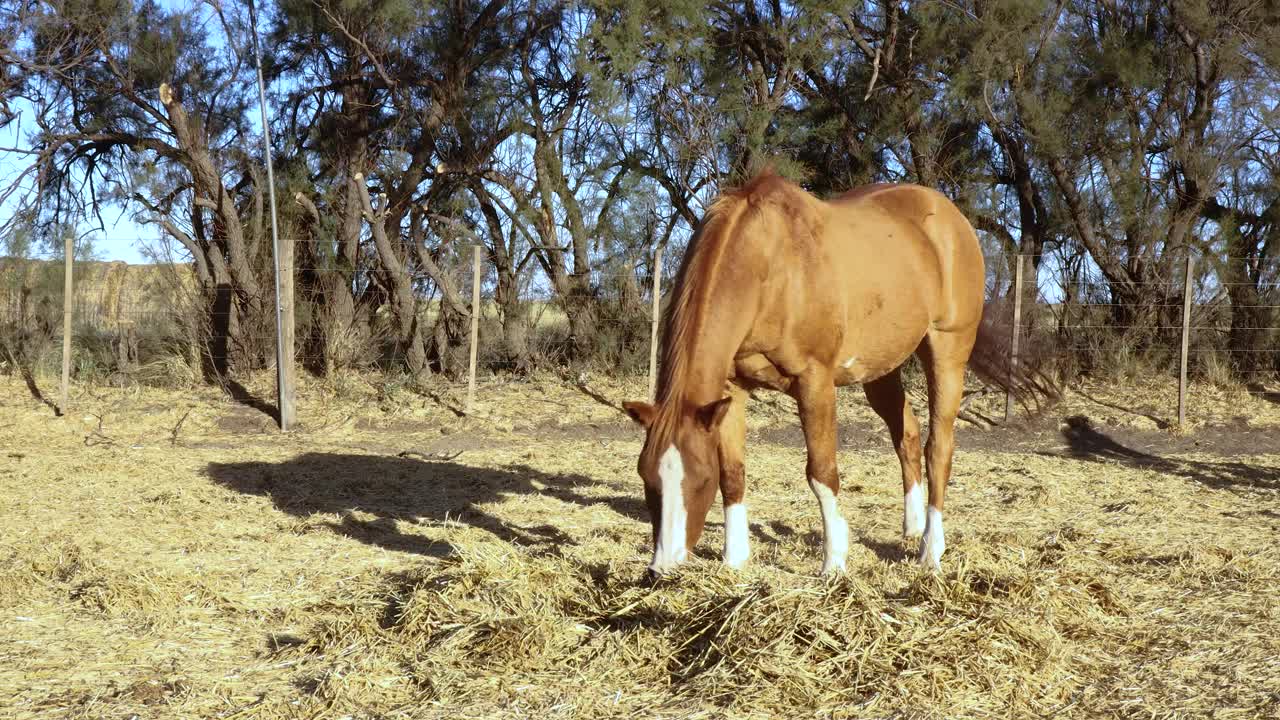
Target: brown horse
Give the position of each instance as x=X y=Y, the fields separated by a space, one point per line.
x=783 y=291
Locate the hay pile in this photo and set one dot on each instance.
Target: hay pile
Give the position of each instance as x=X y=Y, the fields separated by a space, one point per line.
x=498 y=630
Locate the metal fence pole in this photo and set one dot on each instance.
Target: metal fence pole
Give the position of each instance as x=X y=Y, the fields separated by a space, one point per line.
x=284 y=358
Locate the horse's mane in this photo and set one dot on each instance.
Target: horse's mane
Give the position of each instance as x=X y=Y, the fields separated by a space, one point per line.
x=683 y=317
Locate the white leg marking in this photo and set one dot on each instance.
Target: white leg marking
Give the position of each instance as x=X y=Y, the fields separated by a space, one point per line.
x=835 y=531
x=913 y=512
x=736 y=547
x=671 y=548
x=934 y=542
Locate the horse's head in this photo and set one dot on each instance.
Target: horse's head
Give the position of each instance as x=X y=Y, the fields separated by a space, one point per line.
x=680 y=467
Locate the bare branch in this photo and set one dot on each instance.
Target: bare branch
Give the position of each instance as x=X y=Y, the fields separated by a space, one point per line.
x=875 y=73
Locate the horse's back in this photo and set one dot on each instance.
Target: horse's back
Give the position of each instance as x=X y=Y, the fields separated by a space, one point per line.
x=914 y=222
x=863 y=191
x=904 y=201
x=856 y=281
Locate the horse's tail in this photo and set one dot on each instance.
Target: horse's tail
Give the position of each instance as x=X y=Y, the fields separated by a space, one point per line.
x=991 y=361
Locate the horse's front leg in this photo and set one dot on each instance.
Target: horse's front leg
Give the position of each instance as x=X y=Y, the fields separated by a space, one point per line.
x=815 y=395
x=733 y=480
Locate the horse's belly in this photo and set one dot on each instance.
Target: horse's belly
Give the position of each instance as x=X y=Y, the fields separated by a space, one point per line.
x=856 y=369
x=877 y=345
x=754 y=370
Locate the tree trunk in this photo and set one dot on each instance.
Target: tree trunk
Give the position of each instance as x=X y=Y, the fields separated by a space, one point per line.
x=515 y=319
x=236 y=302
x=404 y=305
x=450 y=330
x=514 y=313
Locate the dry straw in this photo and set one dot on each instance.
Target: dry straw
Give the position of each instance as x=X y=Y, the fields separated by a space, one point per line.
x=222 y=572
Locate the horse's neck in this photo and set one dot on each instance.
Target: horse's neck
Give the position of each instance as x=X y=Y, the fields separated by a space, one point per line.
x=707 y=353
x=705 y=373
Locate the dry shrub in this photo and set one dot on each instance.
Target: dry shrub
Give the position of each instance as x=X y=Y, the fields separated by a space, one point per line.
x=1113 y=356
x=353 y=344
x=172 y=370
x=1215 y=368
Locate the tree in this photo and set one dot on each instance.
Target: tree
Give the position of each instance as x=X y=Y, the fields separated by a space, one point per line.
x=383 y=93
x=143 y=107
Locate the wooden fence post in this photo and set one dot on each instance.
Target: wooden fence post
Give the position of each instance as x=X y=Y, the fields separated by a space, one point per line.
x=1017 y=331
x=475 y=327
x=1186 y=339
x=653 y=323
x=68 y=303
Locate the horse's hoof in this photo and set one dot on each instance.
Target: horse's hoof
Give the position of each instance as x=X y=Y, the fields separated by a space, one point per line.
x=833 y=567
x=928 y=562
x=933 y=543
x=930 y=557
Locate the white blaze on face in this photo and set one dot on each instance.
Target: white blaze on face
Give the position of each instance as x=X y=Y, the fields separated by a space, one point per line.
x=835 y=531
x=736 y=548
x=671 y=548
x=934 y=542
x=913 y=512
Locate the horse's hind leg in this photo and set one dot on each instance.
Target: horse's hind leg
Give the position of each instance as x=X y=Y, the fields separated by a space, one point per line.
x=944 y=355
x=888 y=399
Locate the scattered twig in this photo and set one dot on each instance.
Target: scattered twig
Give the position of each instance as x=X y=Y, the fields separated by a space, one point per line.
x=553 y=402
x=978 y=419
x=434 y=396
x=971 y=396
x=173 y=434
x=97 y=436
x=438 y=456
x=580 y=383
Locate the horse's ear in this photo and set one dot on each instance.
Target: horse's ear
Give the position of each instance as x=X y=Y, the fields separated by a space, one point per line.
x=642 y=412
x=712 y=414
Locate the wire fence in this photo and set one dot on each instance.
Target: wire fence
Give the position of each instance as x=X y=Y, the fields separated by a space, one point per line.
x=153 y=324
x=1222 y=316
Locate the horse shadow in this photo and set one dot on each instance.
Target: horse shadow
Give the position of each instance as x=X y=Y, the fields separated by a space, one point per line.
x=401 y=490
x=1160 y=422
x=1085 y=442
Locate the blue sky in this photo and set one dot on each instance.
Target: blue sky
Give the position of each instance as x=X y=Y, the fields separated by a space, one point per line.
x=119 y=240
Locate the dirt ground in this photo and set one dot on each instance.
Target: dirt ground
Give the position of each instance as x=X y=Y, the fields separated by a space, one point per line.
x=169 y=554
